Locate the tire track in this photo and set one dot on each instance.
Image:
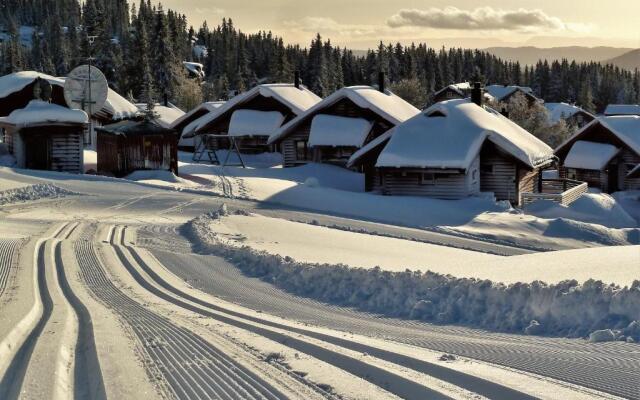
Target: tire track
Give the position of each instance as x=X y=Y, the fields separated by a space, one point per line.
x=11 y=383
x=405 y=389
x=192 y=367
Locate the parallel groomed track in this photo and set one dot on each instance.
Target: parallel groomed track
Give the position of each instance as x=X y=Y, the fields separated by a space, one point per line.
x=610 y=368
x=192 y=367
x=8 y=254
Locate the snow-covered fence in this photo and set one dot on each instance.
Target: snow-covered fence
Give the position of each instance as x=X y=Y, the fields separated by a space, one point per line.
x=563 y=191
x=537 y=308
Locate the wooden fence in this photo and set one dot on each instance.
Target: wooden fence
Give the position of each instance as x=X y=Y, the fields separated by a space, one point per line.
x=563 y=191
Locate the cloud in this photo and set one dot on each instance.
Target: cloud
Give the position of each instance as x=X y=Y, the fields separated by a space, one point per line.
x=330 y=26
x=483 y=18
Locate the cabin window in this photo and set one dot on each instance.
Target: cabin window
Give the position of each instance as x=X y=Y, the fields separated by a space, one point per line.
x=571 y=173
x=301 y=149
x=487 y=169
x=474 y=176
x=428 y=178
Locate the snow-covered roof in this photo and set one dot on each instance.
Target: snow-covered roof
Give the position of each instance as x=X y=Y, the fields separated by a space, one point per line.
x=39 y=112
x=499 y=92
x=332 y=130
x=590 y=155
x=560 y=111
x=388 y=105
x=115 y=105
x=450 y=134
x=622 y=109
x=379 y=141
x=624 y=127
x=195 y=68
x=456 y=87
x=202 y=108
x=254 y=123
x=297 y=99
x=166 y=114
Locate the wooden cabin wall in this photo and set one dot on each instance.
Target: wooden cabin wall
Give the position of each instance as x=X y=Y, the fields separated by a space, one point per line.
x=109 y=159
x=288 y=148
x=528 y=180
x=447 y=185
x=123 y=155
x=595 y=179
x=338 y=155
x=8 y=139
x=67 y=153
x=61 y=145
x=501 y=180
x=628 y=161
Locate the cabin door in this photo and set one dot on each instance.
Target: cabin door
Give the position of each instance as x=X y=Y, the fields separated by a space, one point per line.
x=37 y=152
x=612 y=185
x=154 y=157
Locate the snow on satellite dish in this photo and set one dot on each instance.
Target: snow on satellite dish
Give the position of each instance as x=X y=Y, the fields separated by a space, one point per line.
x=86 y=88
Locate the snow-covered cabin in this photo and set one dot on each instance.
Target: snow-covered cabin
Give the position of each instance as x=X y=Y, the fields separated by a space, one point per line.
x=570 y=113
x=46 y=136
x=504 y=93
x=622 y=109
x=187 y=124
x=16 y=91
x=332 y=130
x=455 y=149
x=128 y=146
x=251 y=117
x=456 y=91
x=605 y=154
x=195 y=69
x=166 y=114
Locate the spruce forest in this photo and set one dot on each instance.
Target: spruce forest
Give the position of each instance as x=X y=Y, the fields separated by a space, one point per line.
x=141 y=48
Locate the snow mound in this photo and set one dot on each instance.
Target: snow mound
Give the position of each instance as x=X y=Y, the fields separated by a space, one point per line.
x=157 y=175
x=595 y=208
x=566 y=308
x=32 y=192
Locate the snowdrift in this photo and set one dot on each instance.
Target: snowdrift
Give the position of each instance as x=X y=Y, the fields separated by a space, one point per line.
x=566 y=308
x=32 y=192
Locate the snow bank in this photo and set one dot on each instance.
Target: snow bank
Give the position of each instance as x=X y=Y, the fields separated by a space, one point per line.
x=596 y=208
x=158 y=177
x=32 y=192
x=566 y=308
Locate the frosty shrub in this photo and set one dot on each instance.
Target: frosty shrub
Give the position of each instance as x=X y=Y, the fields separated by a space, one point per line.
x=536 y=308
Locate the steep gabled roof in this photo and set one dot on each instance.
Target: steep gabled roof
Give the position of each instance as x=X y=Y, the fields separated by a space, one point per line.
x=560 y=111
x=387 y=105
x=622 y=109
x=450 y=134
x=194 y=114
x=499 y=92
x=625 y=128
x=297 y=99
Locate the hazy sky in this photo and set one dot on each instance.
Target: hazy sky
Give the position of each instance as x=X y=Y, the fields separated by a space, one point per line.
x=362 y=23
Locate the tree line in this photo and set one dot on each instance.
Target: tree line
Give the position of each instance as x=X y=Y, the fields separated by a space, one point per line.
x=140 y=48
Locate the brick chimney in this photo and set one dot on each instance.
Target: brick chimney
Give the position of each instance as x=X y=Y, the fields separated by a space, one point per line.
x=476 y=94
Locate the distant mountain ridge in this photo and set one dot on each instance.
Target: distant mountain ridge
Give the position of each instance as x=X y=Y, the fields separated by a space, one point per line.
x=629 y=60
x=530 y=55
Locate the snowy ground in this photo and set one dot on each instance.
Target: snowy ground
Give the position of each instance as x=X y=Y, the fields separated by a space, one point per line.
x=106 y=297
x=317 y=244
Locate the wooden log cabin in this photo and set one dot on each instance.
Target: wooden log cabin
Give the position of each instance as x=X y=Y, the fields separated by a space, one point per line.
x=570 y=113
x=504 y=93
x=335 y=128
x=604 y=153
x=251 y=117
x=129 y=146
x=16 y=91
x=46 y=136
x=452 y=150
x=190 y=122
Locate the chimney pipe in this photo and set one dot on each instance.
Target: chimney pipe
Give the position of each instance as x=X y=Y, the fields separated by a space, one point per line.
x=381 y=81
x=476 y=94
x=166 y=100
x=296 y=79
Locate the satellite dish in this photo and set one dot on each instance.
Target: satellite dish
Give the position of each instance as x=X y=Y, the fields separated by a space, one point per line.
x=86 y=89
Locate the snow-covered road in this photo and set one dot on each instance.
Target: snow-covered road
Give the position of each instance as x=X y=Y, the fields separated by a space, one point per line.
x=101 y=297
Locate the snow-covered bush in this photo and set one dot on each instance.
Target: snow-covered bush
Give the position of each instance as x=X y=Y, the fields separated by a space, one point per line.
x=566 y=308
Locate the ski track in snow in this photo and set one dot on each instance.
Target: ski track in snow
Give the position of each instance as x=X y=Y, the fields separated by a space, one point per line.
x=610 y=368
x=8 y=253
x=192 y=367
